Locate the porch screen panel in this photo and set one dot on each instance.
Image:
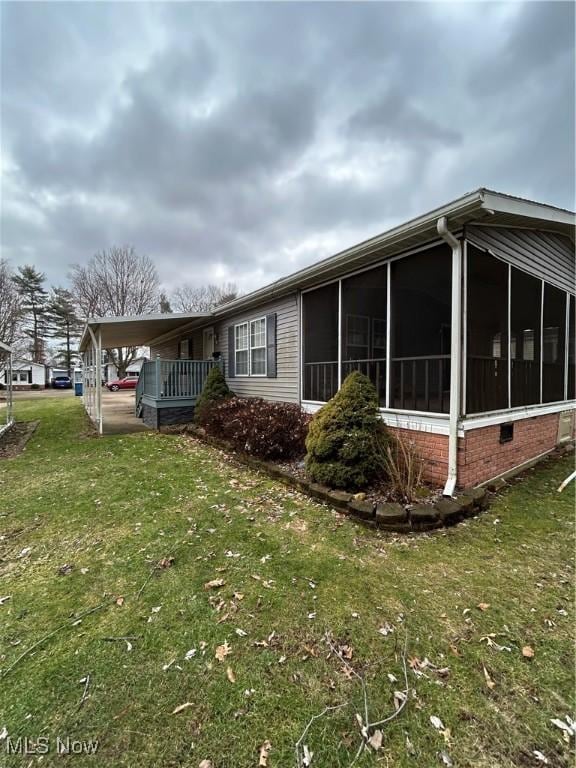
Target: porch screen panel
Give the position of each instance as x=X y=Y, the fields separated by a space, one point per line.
x=363 y=330
x=553 y=341
x=420 y=327
x=572 y=350
x=487 y=333
x=525 y=318
x=320 y=343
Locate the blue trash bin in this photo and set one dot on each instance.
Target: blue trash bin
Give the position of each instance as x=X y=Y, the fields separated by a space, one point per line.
x=78 y=388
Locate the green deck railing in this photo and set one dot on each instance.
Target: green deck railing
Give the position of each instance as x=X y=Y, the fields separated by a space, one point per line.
x=163 y=380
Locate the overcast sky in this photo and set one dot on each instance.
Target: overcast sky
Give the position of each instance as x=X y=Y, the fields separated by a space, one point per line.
x=243 y=141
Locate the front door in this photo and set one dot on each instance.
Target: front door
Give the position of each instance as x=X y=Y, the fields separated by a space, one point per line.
x=208 y=343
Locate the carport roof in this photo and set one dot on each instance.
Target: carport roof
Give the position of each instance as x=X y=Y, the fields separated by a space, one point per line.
x=135 y=331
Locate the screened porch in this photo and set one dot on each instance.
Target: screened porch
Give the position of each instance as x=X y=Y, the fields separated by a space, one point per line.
x=393 y=323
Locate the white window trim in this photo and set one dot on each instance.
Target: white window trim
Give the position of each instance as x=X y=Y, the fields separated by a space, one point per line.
x=236 y=350
x=248 y=324
x=262 y=346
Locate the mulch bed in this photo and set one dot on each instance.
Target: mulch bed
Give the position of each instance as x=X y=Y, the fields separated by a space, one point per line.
x=380 y=493
x=13 y=441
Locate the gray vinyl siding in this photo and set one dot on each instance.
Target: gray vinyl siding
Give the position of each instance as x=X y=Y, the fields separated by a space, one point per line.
x=546 y=255
x=286 y=385
x=167 y=350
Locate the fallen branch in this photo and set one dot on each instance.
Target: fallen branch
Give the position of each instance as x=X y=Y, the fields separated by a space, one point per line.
x=42 y=640
x=300 y=761
x=85 y=692
x=367 y=728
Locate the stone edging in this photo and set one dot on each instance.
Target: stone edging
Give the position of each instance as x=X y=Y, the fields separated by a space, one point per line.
x=388 y=516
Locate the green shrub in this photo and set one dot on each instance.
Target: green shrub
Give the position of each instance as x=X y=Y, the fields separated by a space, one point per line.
x=214 y=390
x=347 y=439
x=35 y=386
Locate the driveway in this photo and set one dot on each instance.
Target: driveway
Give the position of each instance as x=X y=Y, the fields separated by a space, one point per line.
x=118 y=413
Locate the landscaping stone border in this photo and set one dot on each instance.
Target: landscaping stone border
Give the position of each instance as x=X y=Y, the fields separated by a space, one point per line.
x=389 y=516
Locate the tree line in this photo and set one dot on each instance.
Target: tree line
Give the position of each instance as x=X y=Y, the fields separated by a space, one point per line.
x=45 y=324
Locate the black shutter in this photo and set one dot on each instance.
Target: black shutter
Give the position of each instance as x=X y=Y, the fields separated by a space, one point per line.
x=271 y=346
x=231 y=351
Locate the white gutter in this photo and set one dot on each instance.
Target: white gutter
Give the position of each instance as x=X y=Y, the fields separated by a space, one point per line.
x=455 y=353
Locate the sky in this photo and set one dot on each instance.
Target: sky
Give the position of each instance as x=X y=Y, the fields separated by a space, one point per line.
x=238 y=142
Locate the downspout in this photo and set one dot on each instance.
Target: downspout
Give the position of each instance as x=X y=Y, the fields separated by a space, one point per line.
x=455 y=353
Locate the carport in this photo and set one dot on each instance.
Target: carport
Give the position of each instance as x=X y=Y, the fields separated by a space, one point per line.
x=101 y=333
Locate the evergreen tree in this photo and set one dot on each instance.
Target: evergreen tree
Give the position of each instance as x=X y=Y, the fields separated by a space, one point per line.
x=30 y=284
x=64 y=325
x=347 y=439
x=215 y=389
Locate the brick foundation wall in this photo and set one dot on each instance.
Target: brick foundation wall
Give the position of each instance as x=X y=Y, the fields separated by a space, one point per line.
x=481 y=456
x=433 y=449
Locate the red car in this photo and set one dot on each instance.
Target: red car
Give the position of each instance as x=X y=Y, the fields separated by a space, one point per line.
x=129 y=382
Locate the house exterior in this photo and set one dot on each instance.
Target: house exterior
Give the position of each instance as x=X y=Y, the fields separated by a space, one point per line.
x=133 y=369
x=26 y=374
x=463 y=319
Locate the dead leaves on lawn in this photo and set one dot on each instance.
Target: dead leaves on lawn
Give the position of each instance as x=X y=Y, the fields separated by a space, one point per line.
x=263 y=754
x=222 y=651
x=215 y=584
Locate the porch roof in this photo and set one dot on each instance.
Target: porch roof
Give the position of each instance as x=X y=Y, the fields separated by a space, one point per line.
x=135 y=331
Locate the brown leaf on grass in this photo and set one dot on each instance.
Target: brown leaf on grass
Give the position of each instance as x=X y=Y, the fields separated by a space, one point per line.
x=483 y=606
x=214 y=584
x=528 y=652
x=489 y=682
x=222 y=651
x=120 y=601
x=166 y=562
x=263 y=754
x=375 y=741
x=206 y=764
x=230 y=674
x=182 y=707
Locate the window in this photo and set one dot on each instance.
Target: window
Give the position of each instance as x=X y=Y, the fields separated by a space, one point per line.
x=525 y=319
x=250 y=348
x=320 y=343
x=364 y=308
x=487 y=333
x=553 y=341
x=21 y=377
x=184 y=349
x=258 y=347
x=242 y=351
x=421 y=322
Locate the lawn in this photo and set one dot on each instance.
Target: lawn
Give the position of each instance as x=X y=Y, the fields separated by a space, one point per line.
x=85 y=520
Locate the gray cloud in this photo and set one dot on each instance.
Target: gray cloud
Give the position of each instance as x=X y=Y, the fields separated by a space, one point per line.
x=233 y=141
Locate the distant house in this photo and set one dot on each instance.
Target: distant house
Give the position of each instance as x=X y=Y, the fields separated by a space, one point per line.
x=26 y=374
x=110 y=372
x=463 y=318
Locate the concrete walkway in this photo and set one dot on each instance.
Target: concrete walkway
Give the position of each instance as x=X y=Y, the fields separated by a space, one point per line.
x=118 y=413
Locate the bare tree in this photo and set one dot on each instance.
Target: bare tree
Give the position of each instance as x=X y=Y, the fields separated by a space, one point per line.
x=10 y=305
x=189 y=298
x=119 y=282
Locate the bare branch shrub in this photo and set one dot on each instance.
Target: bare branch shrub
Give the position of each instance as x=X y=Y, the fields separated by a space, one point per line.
x=404 y=467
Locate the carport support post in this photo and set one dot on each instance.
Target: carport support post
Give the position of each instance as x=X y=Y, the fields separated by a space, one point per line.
x=99 y=381
x=97 y=374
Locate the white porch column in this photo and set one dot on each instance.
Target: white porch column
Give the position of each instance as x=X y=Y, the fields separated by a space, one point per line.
x=99 y=381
